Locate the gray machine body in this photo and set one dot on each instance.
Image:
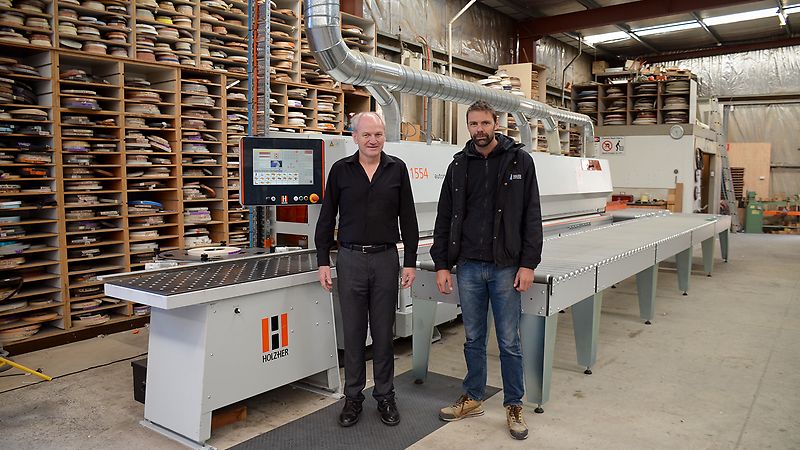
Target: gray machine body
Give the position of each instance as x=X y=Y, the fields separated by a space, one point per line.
x=211 y=334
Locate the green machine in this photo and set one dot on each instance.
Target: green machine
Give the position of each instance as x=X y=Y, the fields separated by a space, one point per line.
x=754 y=217
x=769 y=214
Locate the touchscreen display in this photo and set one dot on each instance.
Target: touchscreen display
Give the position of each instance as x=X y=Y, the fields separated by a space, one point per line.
x=273 y=167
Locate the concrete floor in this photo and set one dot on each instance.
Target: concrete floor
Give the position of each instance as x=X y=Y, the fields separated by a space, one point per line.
x=719 y=369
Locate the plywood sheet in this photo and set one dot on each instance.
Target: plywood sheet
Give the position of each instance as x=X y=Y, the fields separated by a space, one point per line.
x=754 y=157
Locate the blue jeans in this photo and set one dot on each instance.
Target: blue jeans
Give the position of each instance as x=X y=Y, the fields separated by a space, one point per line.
x=480 y=283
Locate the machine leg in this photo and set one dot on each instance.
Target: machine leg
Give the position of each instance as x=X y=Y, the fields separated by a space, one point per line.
x=424 y=314
x=708 y=255
x=538 y=336
x=723 y=244
x=187 y=442
x=586 y=325
x=646 y=285
x=323 y=383
x=334 y=380
x=684 y=263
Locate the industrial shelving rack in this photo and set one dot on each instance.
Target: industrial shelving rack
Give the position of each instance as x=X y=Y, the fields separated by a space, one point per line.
x=106 y=184
x=595 y=100
x=302 y=98
x=110 y=145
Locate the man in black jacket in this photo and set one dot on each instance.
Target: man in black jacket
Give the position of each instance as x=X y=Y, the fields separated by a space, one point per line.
x=489 y=224
x=371 y=193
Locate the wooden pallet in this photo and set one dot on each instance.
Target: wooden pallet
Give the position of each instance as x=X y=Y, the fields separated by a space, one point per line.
x=737 y=175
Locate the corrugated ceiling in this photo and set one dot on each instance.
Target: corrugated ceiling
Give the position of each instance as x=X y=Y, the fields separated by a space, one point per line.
x=728 y=34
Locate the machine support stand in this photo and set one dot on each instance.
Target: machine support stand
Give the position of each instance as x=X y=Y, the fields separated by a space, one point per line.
x=646 y=282
x=723 y=244
x=708 y=255
x=684 y=262
x=539 y=410
x=424 y=316
x=538 y=335
x=175 y=436
x=586 y=326
x=327 y=383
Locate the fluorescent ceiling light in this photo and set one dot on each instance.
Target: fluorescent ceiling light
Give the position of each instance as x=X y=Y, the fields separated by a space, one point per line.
x=668 y=28
x=606 y=37
x=617 y=36
x=741 y=17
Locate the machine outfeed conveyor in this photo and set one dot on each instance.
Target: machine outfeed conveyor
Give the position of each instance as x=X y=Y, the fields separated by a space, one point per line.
x=221 y=332
x=575 y=270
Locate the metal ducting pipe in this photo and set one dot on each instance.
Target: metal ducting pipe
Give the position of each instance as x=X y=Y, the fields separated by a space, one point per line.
x=391 y=111
x=335 y=58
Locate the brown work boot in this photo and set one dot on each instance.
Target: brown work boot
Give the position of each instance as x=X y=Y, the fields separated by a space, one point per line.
x=516 y=424
x=464 y=407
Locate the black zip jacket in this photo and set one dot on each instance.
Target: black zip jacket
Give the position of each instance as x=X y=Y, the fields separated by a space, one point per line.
x=517 y=230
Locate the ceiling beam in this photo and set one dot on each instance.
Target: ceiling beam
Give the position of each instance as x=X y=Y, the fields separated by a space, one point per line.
x=636 y=38
x=598 y=49
x=787 y=28
x=723 y=50
x=609 y=15
x=710 y=32
x=624 y=27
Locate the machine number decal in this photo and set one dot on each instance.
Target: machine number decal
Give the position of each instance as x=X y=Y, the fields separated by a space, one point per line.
x=418 y=173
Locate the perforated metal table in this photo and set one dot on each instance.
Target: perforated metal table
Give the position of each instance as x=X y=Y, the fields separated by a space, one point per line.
x=209 y=276
x=575 y=270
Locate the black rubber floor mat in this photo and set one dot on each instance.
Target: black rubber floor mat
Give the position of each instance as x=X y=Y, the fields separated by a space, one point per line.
x=418 y=404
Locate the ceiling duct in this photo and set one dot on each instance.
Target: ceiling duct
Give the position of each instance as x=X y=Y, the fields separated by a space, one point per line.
x=335 y=58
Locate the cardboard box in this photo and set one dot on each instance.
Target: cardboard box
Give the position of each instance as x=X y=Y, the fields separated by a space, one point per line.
x=599 y=67
x=411 y=132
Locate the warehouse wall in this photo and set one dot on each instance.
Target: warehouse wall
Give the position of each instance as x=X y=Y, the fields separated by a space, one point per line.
x=481 y=35
x=555 y=55
x=763 y=72
x=776 y=124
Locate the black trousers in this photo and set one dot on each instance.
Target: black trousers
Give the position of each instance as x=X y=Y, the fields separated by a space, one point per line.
x=368 y=288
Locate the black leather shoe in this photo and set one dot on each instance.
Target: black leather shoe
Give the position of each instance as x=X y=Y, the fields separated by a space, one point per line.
x=388 y=410
x=350 y=413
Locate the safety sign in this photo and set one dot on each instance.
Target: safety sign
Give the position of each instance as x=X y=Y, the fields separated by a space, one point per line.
x=609 y=144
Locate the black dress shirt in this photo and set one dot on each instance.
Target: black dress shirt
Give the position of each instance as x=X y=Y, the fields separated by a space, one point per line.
x=368 y=211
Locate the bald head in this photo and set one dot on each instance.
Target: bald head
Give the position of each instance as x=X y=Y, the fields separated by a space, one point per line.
x=363 y=118
x=369 y=134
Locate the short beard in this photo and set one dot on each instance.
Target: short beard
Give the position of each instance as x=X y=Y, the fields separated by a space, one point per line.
x=479 y=140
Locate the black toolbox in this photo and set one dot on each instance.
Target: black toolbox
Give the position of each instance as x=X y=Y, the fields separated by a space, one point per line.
x=139 y=379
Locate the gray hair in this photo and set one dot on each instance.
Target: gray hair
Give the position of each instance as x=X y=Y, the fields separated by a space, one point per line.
x=357 y=119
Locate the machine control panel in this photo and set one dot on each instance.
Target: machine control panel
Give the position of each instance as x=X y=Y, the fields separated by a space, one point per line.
x=281 y=171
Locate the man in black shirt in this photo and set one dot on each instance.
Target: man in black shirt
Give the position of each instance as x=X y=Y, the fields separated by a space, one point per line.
x=489 y=223
x=370 y=190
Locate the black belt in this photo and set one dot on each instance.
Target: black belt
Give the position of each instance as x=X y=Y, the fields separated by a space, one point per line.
x=375 y=248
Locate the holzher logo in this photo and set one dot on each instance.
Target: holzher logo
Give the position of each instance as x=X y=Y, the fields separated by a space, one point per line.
x=274 y=337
